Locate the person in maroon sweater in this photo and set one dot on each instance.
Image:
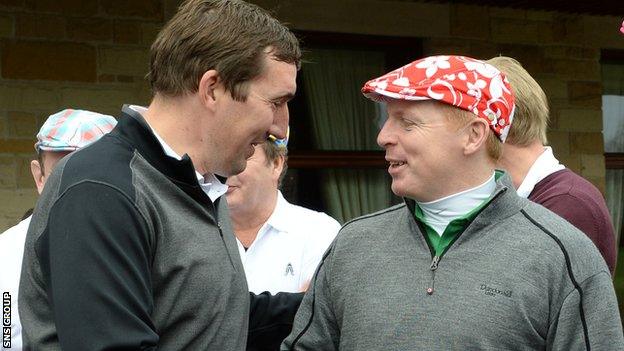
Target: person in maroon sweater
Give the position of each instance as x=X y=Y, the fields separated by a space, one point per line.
x=539 y=176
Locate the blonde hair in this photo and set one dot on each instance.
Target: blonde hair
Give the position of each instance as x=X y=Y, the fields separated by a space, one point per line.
x=458 y=118
x=531 y=116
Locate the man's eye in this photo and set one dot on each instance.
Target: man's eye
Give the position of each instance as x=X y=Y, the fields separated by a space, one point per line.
x=407 y=124
x=277 y=104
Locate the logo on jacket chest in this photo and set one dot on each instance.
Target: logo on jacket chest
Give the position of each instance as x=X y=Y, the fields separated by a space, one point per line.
x=495 y=291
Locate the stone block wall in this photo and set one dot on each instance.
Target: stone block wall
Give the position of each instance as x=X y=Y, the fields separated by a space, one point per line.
x=562 y=51
x=56 y=54
x=93 y=54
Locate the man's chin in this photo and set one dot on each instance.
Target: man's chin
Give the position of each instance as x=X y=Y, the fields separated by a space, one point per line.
x=231 y=169
x=398 y=190
x=238 y=167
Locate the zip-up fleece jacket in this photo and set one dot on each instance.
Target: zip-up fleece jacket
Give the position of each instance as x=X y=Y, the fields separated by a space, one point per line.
x=126 y=252
x=517 y=278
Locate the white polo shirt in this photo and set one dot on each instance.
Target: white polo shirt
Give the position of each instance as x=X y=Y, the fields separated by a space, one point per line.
x=287 y=249
x=12 y=252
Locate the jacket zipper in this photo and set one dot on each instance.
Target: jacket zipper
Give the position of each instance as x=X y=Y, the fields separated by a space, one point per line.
x=433 y=267
x=435 y=260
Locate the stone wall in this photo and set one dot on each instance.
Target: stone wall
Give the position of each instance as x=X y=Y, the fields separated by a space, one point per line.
x=92 y=54
x=562 y=51
x=56 y=54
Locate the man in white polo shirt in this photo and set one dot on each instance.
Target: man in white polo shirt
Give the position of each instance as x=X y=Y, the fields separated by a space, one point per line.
x=280 y=243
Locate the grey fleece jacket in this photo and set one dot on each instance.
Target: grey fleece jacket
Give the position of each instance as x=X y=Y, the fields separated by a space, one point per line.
x=518 y=278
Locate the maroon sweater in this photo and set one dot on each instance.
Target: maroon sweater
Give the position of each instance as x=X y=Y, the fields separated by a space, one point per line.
x=580 y=203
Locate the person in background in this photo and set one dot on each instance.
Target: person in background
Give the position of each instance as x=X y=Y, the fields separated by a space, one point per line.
x=464 y=263
x=539 y=176
x=280 y=243
x=61 y=134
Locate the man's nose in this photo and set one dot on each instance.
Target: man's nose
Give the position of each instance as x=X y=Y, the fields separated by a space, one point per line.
x=280 y=123
x=384 y=138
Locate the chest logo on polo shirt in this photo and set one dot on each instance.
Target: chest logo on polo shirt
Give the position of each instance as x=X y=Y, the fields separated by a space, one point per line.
x=289 y=269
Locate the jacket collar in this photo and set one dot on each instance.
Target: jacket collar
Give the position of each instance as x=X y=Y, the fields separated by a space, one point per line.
x=133 y=129
x=505 y=202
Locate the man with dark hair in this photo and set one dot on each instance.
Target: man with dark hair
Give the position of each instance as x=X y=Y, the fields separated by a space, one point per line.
x=131 y=246
x=464 y=263
x=539 y=176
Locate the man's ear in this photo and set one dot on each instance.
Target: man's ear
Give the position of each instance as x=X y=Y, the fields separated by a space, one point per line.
x=38 y=176
x=477 y=134
x=209 y=84
x=278 y=167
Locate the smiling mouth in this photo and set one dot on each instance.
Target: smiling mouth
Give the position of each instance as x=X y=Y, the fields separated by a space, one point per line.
x=397 y=164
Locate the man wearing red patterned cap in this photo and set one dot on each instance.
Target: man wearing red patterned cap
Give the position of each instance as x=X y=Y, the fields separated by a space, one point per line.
x=464 y=263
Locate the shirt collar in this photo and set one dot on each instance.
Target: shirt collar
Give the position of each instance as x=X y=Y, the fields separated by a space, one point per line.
x=545 y=165
x=280 y=218
x=439 y=213
x=278 y=222
x=210 y=184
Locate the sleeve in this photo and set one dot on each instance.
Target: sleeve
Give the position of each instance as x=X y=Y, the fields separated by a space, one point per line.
x=588 y=219
x=270 y=319
x=589 y=318
x=315 y=326
x=95 y=255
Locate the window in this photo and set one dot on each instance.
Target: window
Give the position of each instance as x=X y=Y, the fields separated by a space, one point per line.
x=613 y=131
x=335 y=164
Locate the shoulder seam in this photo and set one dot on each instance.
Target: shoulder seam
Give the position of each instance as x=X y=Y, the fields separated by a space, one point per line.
x=61 y=195
x=570 y=273
x=586 y=279
x=117 y=189
x=379 y=213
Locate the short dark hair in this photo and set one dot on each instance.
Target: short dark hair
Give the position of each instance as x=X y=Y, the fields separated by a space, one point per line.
x=229 y=36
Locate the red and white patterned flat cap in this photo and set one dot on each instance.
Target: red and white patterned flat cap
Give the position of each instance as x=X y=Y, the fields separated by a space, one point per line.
x=461 y=81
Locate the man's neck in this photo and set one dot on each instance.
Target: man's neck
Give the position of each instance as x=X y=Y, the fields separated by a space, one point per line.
x=175 y=120
x=471 y=173
x=517 y=160
x=247 y=222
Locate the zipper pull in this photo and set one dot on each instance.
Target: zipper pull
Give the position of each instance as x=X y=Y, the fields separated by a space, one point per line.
x=433 y=267
x=434 y=263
